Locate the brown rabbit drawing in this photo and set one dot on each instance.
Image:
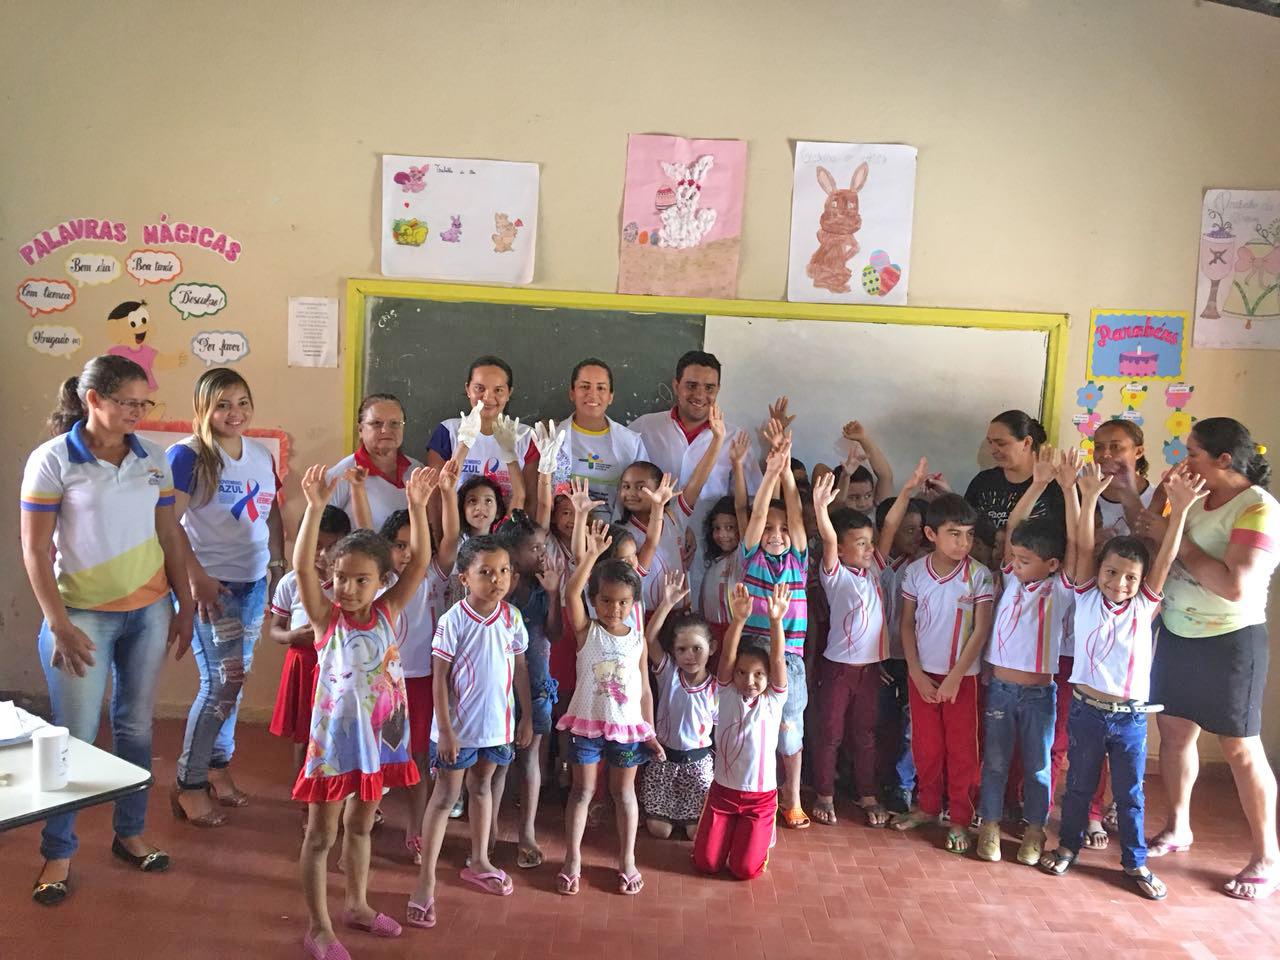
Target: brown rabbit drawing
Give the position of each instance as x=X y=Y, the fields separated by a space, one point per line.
x=840 y=220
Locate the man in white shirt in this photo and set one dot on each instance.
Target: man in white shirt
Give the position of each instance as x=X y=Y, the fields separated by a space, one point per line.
x=677 y=439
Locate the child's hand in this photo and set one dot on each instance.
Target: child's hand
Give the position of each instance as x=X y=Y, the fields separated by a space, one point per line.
x=1183 y=489
x=580 y=495
x=549 y=580
x=739 y=446
x=715 y=421
x=674 y=589
x=925 y=686
x=1046 y=465
x=949 y=687
x=779 y=601
x=662 y=493
x=1092 y=482
x=315 y=487
x=740 y=603
x=655 y=748
x=356 y=476
x=524 y=732
x=779 y=459
x=422 y=483
x=778 y=412
x=469 y=427
x=449 y=475
x=774 y=434
x=505 y=432
x=919 y=476
x=854 y=432
x=855 y=458
x=824 y=492
x=548 y=443
x=598 y=540
x=935 y=485
x=1068 y=466
x=447 y=742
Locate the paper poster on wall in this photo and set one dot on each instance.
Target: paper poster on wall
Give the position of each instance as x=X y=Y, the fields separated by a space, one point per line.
x=851 y=210
x=219 y=346
x=54 y=341
x=71 y=231
x=132 y=332
x=197 y=299
x=168 y=432
x=45 y=295
x=681 y=216
x=450 y=219
x=91 y=269
x=1136 y=345
x=313 y=331
x=153 y=266
x=1238 y=275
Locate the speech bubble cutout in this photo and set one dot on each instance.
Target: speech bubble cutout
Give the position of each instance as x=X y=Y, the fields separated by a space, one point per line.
x=153 y=266
x=45 y=295
x=219 y=346
x=197 y=299
x=54 y=341
x=92 y=268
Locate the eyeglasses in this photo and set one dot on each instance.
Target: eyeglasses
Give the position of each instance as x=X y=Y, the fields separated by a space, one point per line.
x=134 y=406
x=379 y=425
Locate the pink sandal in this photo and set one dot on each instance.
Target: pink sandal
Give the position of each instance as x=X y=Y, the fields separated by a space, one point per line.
x=334 y=951
x=486 y=881
x=421 y=914
x=380 y=926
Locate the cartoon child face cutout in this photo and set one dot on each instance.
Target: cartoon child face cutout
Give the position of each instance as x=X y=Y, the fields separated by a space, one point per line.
x=129 y=330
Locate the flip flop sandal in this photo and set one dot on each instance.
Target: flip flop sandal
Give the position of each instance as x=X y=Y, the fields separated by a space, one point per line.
x=959 y=841
x=485 y=881
x=1058 y=862
x=825 y=814
x=877 y=816
x=1097 y=839
x=1162 y=848
x=528 y=857
x=380 y=926
x=911 y=820
x=795 y=818
x=630 y=885
x=567 y=884
x=1263 y=887
x=1148 y=884
x=421 y=914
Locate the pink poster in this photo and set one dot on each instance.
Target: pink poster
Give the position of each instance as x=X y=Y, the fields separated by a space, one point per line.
x=682 y=216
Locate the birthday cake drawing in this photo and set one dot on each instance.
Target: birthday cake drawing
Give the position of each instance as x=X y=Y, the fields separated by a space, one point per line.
x=1135 y=363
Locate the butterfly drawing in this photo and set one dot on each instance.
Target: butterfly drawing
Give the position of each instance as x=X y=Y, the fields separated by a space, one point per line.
x=413 y=180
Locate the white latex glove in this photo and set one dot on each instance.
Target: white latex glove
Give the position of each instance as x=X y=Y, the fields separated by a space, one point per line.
x=469 y=428
x=505 y=432
x=548 y=443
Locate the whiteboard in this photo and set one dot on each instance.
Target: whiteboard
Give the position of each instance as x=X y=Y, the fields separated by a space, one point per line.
x=921 y=391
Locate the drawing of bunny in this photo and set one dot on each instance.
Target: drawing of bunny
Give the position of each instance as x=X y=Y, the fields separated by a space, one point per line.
x=454 y=233
x=839 y=222
x=684 y=224
x=506 y=235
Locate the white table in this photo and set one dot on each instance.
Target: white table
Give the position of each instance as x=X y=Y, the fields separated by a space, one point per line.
x=96 y=776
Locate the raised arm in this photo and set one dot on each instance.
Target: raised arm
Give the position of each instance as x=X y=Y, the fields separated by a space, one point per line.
x=893 y=519
x=506 y=432
x=1091 y=483
x=791 y=497
x=693 y=489
x=1042 y=474
x=739 y=609
x=1068 y=470
x=674 y=589
x=824 y=492
x=317 y=490
x=580 y=499
x=658 y=500
x=548 y=443
x=361 y=514
x=778 y=603
x=775 y=465
x=738 y=451
x=450 y=522
x=422 y=482
x=855 y=432
x=1183 y=489
x=596 y=544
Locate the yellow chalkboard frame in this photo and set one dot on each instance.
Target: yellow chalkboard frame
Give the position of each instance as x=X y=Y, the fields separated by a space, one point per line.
x=359 y=290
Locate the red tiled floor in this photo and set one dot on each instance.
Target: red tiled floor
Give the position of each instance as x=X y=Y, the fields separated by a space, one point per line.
x=846 y=892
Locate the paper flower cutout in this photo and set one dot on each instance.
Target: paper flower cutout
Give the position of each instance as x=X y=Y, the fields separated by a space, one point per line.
x=1179 y=423
x=1086 y=447
x=1176 y=395
x=1132 y=395
x=1088 y=425
x=1089 y=396
x=1175 y=451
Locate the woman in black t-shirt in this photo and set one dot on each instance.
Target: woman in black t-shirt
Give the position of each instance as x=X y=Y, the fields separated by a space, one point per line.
x=1013 y=438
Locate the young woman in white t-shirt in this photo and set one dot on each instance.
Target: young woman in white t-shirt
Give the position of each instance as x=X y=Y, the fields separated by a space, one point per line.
x=225 y=489
x=1118 y=448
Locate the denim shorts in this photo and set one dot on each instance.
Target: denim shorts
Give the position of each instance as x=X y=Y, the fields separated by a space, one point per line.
x=543 y=700
x=501 y=755
x=589 y=750
x=791 y=736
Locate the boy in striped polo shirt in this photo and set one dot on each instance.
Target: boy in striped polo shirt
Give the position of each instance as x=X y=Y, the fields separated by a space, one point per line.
x=775 y=549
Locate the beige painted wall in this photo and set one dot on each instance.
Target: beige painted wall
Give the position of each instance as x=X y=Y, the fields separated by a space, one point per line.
x=1063 y=151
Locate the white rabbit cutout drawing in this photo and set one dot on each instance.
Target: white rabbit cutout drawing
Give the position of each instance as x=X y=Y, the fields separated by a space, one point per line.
x=685 y=224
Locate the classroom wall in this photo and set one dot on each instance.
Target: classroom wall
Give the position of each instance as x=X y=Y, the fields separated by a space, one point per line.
x=1063 y=151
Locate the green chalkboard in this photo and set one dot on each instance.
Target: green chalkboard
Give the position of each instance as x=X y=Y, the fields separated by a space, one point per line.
x=420 y=350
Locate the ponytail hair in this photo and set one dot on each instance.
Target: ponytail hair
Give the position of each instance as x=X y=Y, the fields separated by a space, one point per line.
x=1219 y=435
x=209 y=388
x=1022 y=425
x=104 y=375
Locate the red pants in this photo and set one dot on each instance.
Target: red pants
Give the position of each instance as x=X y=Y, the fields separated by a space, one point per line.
x=736 y=831
x=848 y=705
x=944 y=745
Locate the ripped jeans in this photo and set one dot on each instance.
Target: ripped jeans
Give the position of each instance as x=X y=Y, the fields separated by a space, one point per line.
x=223 y=653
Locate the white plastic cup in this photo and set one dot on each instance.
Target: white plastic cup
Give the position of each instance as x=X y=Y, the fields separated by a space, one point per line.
x=49 y=757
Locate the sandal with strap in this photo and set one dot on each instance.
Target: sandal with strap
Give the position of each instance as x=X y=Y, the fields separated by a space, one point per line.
x=912 y=819
x=380 y=926
x=630 y=885
x=421 y=914
x=824 y=812
x=959 y=840
x=207 y=820
x=1096 y=836
x=332 y=951
x=1148 y=884
x=567 y=884
x=876 y=814
x=1058 y=861
x=795 y=818
x=1261 y=887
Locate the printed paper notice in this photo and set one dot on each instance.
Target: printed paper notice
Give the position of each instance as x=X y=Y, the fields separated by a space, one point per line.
x=313 y=331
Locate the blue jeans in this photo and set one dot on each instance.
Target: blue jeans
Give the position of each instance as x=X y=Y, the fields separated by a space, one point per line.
x=130 y=650
x=897 y=769
x=223 y=651
x=1018 y=714
x=1122 y=737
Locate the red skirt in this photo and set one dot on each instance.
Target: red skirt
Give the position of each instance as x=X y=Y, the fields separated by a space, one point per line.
x=421 y=705
x=292 y=715
x=367 y=786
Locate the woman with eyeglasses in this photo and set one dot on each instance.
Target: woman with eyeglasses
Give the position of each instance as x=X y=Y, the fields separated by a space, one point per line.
x=381 y=422
x=103 y=551
x=225 y=488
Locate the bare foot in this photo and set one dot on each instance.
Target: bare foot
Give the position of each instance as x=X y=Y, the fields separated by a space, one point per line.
x=1257 y=881
x=1166 y=842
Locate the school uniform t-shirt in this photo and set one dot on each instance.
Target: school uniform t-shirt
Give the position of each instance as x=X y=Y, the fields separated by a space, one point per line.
x=1113 y=642
x=482 y=651
x=856 y=635
x=684 y=714
x=994 y=497
x=1029 y=622
x=415 y=628
x=717 y=587
x=667 y=558
x=891 y=592
x=228 y=531
x=484 y=457
x=385 y=494
x=599 y=457
x=945 y=608
x=747 y=739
